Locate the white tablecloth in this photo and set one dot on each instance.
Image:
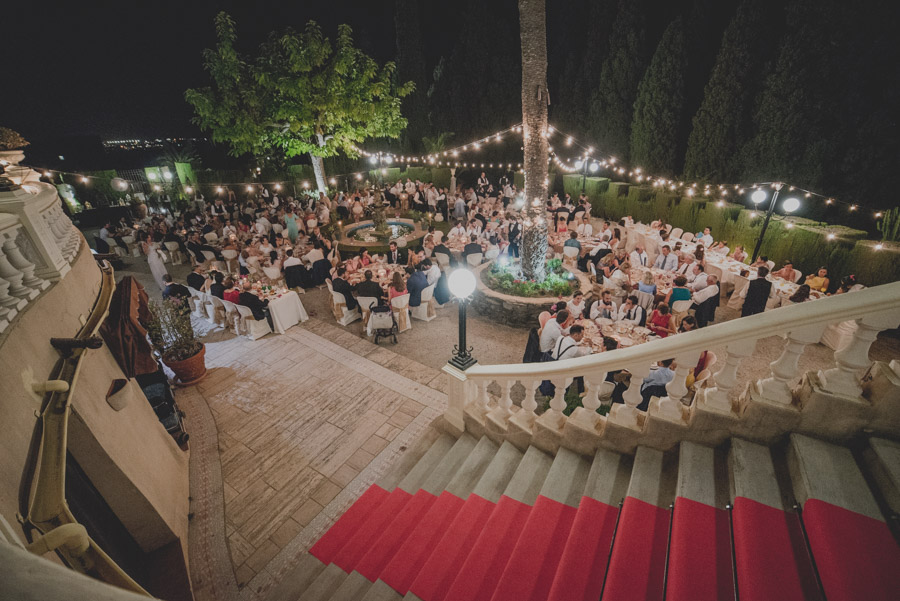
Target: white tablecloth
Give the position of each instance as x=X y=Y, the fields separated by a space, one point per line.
x=287 y=311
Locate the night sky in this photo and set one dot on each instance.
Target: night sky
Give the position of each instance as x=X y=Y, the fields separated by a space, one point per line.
x=120 y=69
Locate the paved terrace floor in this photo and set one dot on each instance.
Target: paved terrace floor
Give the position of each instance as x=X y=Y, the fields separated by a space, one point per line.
x=287 y=431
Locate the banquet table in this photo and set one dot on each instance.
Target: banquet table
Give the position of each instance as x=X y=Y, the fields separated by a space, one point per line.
x=285 y=308
x=624 y=333
x=382 y=274
x=784 y=289
x=557 y=242
x=664 y=280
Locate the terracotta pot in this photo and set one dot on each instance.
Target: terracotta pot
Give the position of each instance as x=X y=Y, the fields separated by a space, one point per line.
x=191 y=370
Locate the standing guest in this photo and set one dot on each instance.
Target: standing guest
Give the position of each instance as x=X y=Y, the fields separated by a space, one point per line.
x=515 y=236
x=757 y=293
x=661 y=321
x=666 y=260
x=553 y=330
x=819 y=281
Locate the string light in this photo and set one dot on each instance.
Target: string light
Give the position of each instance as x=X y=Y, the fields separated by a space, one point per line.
x=831 y=236
x=879 y=246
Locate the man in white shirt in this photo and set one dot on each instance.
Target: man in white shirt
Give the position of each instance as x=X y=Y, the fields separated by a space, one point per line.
x=432 y=271
x=605 y=307
x=639 y=256
x=706 y=238
x=708 y=291
x=313 y=256
x=553 y=330
x=632 y=312
x=699 y=281
x=687 y=268
x=458 y=232
x=567 y=347
x=666 y=260
x=605 y=233
x=585 y=228
x=291 y=260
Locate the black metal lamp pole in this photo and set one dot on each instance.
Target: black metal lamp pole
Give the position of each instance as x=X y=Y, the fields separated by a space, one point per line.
x=584 y=170
x=462 y=354
x=765 y=226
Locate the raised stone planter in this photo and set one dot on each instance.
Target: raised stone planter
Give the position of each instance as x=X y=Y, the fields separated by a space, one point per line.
x=516 y=311
x=347 y=243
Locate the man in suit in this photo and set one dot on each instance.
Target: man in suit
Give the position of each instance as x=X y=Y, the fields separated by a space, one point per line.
x=216 y=288
x=369 y=288
x=197 y=247
x=196 y=279
x=473 y=247
x=757 y=293
x=339 y=284
x=260 y=308
x=417 y=282
x=175 y=291
x=666 y=260
x=442 y=248
x=396 y=256
x=515 y=235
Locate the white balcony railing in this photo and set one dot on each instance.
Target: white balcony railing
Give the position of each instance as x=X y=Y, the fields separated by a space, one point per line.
x=873 y=310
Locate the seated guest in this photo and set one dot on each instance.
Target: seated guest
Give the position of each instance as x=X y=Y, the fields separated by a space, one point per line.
x=706 y=237
x=339 y=284
x=661 y=321
x=801 y=296
x=315 y=254
x=679 y=291
x=573 y=241
x=848 y=284
x=585 y=228
x=631 y=312
x=605 y=307
x=787 y=272
x=458 y=232
x=173 y=290
x=432 y=271
x=819 y=281
x=688 y=323
x=216 y=288
x=739 y=254
x=700 y=279
x=720 y=248
x=397 y=287
x=260 y=308
x=473 y=247
x=654 y=385
x=706 y=301
x=639 y=256
x=687 y=267
x=576 y=305
x=442 y=249
x=757 y=293
x=761 y=262
x=231 y=294
x=196 y=279
x=553 y=330
x=416 y=283
x=568 y=347
x=395 y=256
x=369 y=288
x=666 y=261
x=290 y=260
x=647 y=283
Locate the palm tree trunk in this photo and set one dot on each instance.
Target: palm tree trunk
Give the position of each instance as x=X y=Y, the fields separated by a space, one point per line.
x=535 y=100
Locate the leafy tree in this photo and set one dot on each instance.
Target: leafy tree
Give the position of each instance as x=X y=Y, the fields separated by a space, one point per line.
x=612 y=103
x=535 y=99
x=659 y=104
x=300 y=94
x=172 y=154
x=722 y=123
x=798 y=122
x=437 y=143
x=411 y=67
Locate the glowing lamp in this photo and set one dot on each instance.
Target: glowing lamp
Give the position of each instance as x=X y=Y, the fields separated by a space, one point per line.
x=790 y=205
x=594 y=167
x=461 y=283
x=758 y=197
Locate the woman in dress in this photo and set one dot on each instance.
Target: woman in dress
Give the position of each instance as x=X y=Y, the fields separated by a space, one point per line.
x=647 y=283
x=576 y=305
x=291 y=220
x=661 y=321
x=801 y=296
x=739 y=254
x=397 y=287
x=154 y=259
x=819 y=281
x=678 y=292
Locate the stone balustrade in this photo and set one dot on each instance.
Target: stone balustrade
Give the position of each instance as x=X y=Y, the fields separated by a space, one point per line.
x=837 y=403
x=38 y=243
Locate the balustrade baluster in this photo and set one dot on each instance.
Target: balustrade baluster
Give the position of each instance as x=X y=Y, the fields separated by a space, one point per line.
x=9 y=305
x=777 y=388
x=19 y=261
x=676 y=390
x=558 y=402
x=482 y=392
x=719 y=396
x=14 y=277
x=632 y=396
x=505 y=400
x=529 y=404
x=843 y=378
x=591 y=399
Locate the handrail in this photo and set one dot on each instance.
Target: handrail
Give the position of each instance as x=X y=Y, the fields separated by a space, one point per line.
x=837 y=308
x=47 y=507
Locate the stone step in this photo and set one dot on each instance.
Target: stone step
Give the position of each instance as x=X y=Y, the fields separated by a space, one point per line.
x=352 y=588
x=752 y=475
x=429 y=461
x=297 y=580
x=498 y=473
x=566 y=478
x=609 y=477
x=408 y=459
x=470 y=473
x=529 y=476
x=653 y=477
x=439 y=477
x=325 y=584
x=882 y=460
x=702 y=475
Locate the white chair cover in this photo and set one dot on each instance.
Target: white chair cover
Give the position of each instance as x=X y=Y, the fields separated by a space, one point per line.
x=425 y=311
x=231 y=262
x=251 y=327
x=676 y=233
x=175 y=252
x=341 y=314
x=688 y=237
x=400 y=307
x=211 y=236
x=474 y=260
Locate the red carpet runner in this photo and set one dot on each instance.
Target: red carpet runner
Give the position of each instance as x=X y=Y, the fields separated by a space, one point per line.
x=347 y=525
x=637 y=566
x=699 y=554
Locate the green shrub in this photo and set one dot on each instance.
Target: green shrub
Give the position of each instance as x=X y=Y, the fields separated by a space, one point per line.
x=506 y=279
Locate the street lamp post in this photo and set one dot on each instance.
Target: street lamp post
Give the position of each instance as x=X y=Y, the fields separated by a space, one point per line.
x=462 y=284
x=585 y=165
x=790 y=205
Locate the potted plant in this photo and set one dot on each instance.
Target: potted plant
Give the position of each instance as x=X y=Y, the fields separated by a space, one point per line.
x=172 y=335
x=11 y=144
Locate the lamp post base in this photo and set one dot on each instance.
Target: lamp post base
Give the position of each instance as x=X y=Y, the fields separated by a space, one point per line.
x=462 y=363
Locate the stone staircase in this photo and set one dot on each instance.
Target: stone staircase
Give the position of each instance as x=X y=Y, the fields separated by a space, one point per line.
x=460 y=518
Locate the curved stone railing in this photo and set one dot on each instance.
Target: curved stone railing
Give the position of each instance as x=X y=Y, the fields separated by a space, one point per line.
x=37 y=245
x=829 y=403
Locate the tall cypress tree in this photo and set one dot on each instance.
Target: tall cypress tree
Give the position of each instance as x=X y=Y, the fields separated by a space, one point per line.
x=659 y=104
x=411 y=67
x=799 y=122
x=612 y=102
x=722 y=123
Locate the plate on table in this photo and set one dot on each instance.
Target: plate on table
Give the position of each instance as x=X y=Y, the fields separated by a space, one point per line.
x=626 y=341
x=603 y=321
x=641 y=330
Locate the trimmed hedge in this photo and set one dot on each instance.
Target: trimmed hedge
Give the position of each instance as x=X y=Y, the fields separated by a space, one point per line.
x=806 y=244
